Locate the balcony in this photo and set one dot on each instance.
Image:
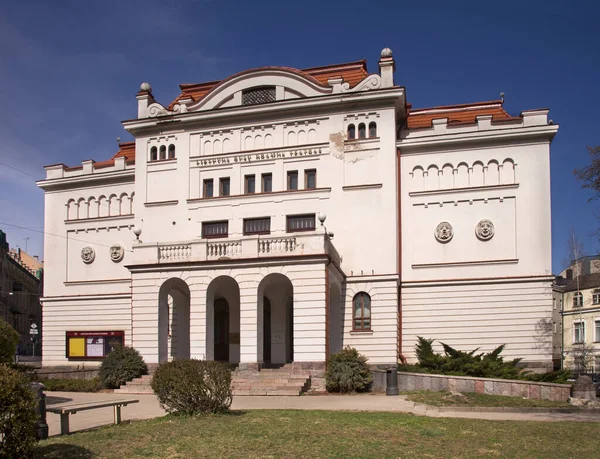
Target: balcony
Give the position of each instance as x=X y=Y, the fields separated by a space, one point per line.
x=246 y=247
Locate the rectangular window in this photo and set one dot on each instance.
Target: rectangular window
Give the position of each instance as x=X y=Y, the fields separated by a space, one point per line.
x=597 y=331
x=208 y=188
x=361 y=312
x=224 y=188
x=310 y=178
x=257 y=225
x=92 y=345
x=215 y=229
x=578 y=332
x=267 y=183
x=577 y=299
x=292 y=180
x=249 y=184
x=297 y=223
x=596 y=298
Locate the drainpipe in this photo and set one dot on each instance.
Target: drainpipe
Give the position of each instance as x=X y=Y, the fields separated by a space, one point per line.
x=399 y=220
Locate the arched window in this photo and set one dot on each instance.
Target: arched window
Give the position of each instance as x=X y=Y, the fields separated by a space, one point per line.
x=351 y=132
x=361 y=312
x=163 y=152
x=362 y=131
x=171 y=151
x=153 y=154
x=372 y=129
x=578 y=299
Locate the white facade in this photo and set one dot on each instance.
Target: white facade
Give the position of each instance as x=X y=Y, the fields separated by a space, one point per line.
x=279 y=294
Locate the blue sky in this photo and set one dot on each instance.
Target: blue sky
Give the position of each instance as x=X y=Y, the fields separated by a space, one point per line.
x=69 y=72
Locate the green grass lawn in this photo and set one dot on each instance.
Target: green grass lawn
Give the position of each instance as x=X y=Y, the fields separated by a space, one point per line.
x=444 y=398
x=295 y=434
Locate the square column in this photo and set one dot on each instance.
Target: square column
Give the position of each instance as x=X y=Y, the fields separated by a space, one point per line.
x=249 y=320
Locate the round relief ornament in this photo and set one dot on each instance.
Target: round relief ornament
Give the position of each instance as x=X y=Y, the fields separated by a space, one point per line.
x=485 y=230
x=444 y=232
x=117 y=252
x=88 y=255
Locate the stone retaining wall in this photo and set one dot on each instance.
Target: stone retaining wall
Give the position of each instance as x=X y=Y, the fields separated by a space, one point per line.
x=506 y=387
x=68 y=373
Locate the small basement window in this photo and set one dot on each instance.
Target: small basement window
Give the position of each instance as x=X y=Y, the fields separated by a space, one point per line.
x=259 y=95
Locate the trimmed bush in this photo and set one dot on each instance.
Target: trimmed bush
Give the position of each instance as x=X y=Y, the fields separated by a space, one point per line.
x=122 y=364
x=72 y=385
x=193 y=387
x=9 y=339
x=347 y=371
x=17 y=414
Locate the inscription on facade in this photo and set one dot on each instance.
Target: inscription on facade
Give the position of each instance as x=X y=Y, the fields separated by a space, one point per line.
x=259 y=157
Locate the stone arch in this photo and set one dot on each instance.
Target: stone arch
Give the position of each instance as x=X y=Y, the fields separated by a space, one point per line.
x=208 y=147
x=268 y=141
x=71 y=209
x=476 y=176
x=113 y=205
x=302 y=137
x=312 y=136
x=124 y=204
x=291 y=138
x=508 y=172
x=226 y=145
x=462 y=176
x=223 y=320
x=173 y=320
x=92 y=207
x=102 y=206
x=82 y=208
x=447 y=178
x=275 y=319
x=248 y=143
x=492 y=173
x=418 y=178
x=432 y=180
x=217 y=147
x=258 y=142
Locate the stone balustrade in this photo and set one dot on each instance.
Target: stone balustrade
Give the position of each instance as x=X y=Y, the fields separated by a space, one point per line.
x=244 y=247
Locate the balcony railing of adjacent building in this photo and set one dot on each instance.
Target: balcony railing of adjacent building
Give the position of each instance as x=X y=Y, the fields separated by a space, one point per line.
x=246 y=247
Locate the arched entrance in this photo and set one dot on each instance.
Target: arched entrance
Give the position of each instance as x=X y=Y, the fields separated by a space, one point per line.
x=223 y=320
x=275 y=304
x=173 y=320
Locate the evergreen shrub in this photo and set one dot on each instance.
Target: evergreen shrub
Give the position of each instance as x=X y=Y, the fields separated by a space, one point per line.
x=122 y=364
x=347 y=371
x=193 y=387
x=9 y=339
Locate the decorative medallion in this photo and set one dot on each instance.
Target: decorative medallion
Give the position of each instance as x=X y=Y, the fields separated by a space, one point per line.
x=444 y=232
x=485 y=230
x=88 y=255
x=117 y=252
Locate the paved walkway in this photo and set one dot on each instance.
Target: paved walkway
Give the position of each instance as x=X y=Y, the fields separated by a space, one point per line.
x=148 y=408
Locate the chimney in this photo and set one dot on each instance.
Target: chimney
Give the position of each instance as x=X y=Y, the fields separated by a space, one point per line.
x=144 y=98
x=387 y=67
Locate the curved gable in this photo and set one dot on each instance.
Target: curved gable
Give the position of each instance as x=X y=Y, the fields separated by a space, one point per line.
x=285 y=83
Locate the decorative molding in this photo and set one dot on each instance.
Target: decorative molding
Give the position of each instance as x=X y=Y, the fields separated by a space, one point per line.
x=88 y=255
x=371 y=82
x=485 y=230
x=458 y=190
x=369 y=186
x=444 y=232
x=99 y=219
x=161 y=203
x=156 y=110
x=466 y=263
x=117 y=252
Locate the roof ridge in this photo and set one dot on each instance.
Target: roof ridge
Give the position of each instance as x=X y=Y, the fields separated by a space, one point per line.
x=473 y=105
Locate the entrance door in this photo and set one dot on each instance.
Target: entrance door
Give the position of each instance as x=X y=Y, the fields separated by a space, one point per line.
x=221 y=330
x=267 y=330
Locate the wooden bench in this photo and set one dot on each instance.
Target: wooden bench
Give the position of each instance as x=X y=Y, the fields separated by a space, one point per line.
x=66 y=410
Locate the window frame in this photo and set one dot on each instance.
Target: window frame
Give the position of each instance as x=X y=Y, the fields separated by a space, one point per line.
x=581 y=330
x=306 y=173
x=597 y=331
x=250 y=233
x=596 y=297
x=373 y=125
x=171 y=152
x=351 y=132
x=362 y=318
x=215 y=236
x=246 y=182
x=262 y=182
x=289 y=175
x=162 y=153
x=364 y=131
x=204 y=186
x=154 y=154
x=222 y=181
x=577 y=296
x=299 y=216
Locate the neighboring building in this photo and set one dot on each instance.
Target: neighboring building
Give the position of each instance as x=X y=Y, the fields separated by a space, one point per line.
x=441 y=222
x=21 y=278
x=581 y=314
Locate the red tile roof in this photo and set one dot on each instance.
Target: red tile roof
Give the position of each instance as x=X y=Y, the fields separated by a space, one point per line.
x=126 y=149
x=351 y=72
x=457 y=114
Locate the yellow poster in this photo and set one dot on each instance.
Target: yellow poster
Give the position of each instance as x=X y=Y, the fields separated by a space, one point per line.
x=76 y=347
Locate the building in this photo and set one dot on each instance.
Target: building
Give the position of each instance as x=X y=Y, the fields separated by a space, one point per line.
x=281 y=214
x=21 y=283
x=580 y=289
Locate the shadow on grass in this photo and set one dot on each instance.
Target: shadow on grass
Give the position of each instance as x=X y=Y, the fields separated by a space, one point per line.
x=63 y=451
x=51 y=400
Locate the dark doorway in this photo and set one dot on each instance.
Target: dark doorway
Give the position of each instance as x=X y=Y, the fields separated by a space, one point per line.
x=267 y=331
x=221 y=330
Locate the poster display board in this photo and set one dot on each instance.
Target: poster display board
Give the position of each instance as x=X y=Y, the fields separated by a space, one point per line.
x=92 y=344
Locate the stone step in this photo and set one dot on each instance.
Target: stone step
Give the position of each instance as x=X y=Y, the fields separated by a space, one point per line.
x=143 y=380
x=269 y=381
x=135 y=389
x=268 y=392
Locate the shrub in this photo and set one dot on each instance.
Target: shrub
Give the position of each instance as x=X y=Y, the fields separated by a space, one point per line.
x=193 y=386
x=347 y=371
x=9 y=339
x=17 y=414
x=72 y=385
x=122 y=364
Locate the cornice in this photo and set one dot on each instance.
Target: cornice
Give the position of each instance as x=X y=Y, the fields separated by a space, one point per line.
x=105 y=178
